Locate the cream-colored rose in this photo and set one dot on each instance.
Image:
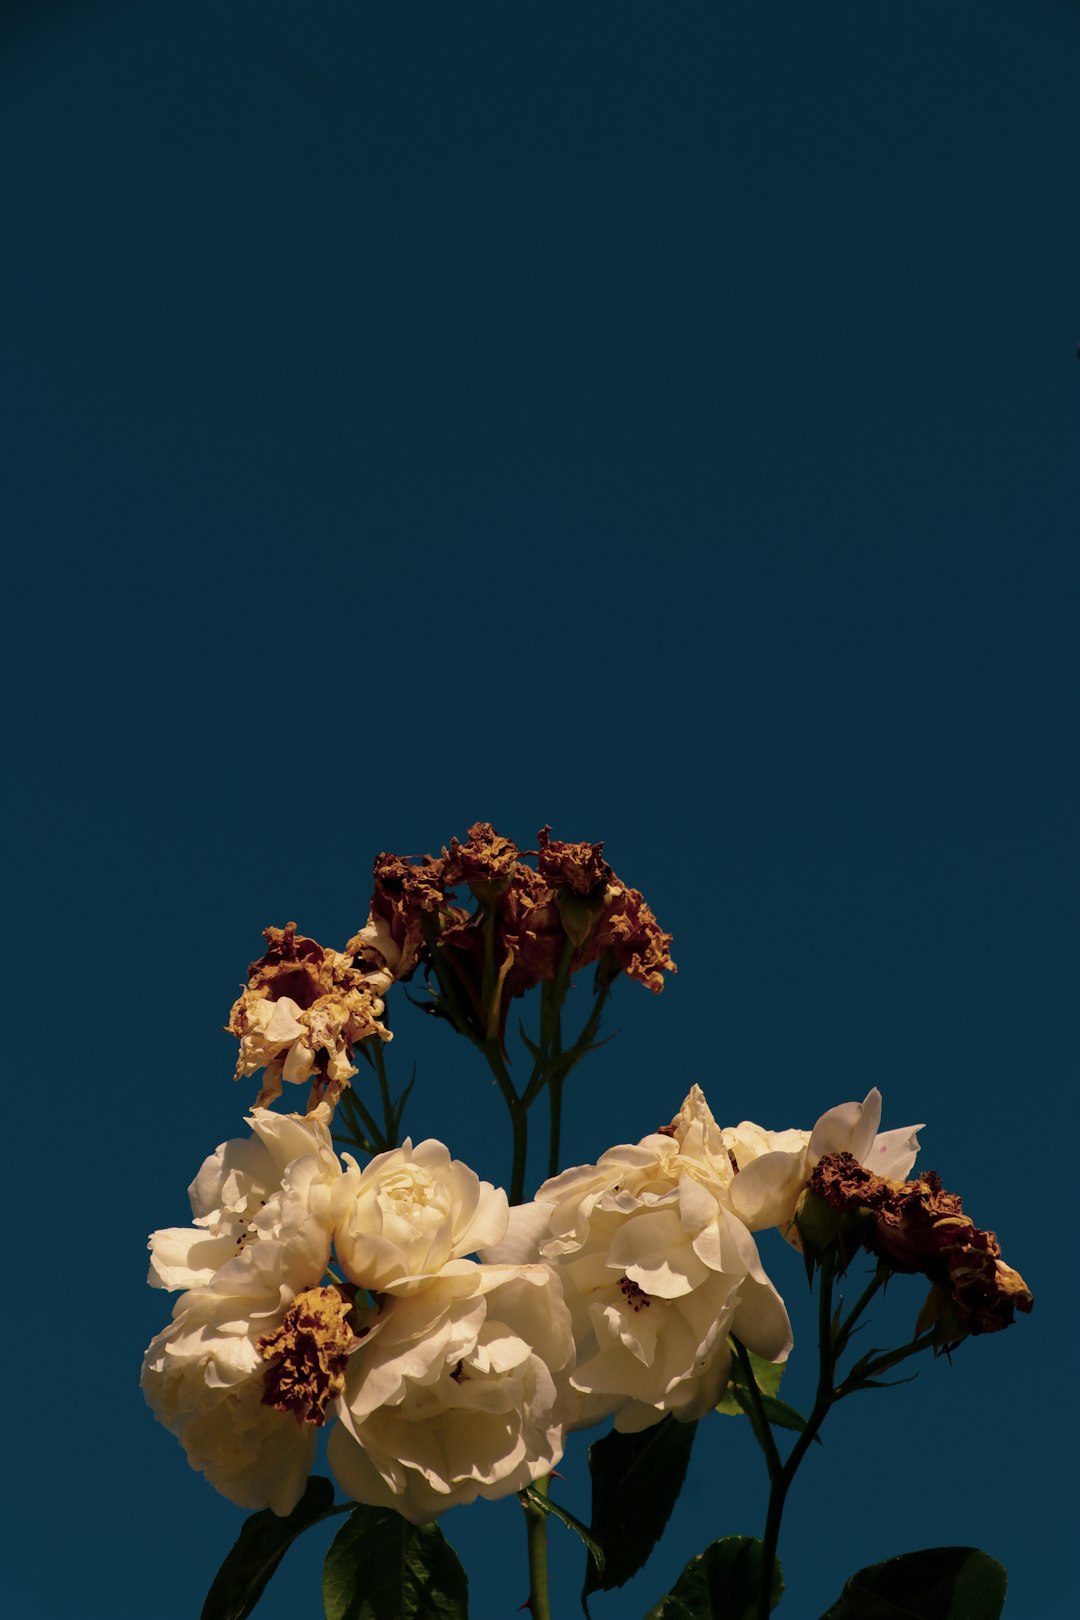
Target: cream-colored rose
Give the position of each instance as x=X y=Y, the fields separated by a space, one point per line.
x=260 y=1244
x=236 y=1186
x=762 y=1173
x=456 y=1391
x=657 y=1272
x=409 y=1212
x=205 y=1383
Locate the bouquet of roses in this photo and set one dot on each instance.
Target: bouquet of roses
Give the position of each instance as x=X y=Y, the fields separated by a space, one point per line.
x=451 y=1336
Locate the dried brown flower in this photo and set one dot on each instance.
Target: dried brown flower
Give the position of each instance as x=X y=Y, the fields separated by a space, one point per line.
x=577 y=867
x=308 y=1355
x=916 y=1226
x=486 y=861
x=303 y=1011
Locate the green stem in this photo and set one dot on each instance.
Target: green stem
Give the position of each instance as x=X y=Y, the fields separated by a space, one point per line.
x=384 y=1092
x=536 y=1533
x=519 y=1123
x=762 y=1426
x=555 y=1086
x=782 y=1482
x=364 y=1127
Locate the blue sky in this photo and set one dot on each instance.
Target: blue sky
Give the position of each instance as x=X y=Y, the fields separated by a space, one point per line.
x=658 y=422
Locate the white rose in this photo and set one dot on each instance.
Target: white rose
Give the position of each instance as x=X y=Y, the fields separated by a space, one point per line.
x=762 y=1173
x=235 y=1186
x=409 y=1212
x=204 y=1381
x=213 y=1376
x=253 y=1266
x=656 y=1272
x=456 y=1391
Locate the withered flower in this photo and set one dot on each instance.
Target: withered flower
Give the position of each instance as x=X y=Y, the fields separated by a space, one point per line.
x=577 y=867
x=302 y=1013
x=486 y=861
x=308 y=1355
x=404 y=894
x=562 y=915
x=916 y=1226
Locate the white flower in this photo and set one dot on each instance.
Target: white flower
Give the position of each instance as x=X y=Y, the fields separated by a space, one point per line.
x=205 y=1383
x=656 y=1272
x=252 y=1265
x=409 y=1212
x=237 y=1185
x=456 y=1391
x=762 y=1173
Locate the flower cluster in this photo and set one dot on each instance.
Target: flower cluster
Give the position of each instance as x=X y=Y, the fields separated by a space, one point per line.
x=316 y=1290
x=305 y=1008
x=530 y=924
x=446 y=1375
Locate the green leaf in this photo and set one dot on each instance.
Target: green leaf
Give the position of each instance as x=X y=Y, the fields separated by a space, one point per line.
x=736 y=1400
x=779 y=1413
x=722 y=1583
x=767 y=1376
x=536 y=1499
x=259 y=1549
x=381 y=1567
x=940 y=1583
x=636 y=1479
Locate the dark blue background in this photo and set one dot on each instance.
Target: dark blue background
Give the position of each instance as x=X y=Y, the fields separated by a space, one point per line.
x=658 y=421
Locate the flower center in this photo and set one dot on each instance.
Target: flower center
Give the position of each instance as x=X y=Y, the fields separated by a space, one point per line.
x=635 y=1297
x=307 y=1355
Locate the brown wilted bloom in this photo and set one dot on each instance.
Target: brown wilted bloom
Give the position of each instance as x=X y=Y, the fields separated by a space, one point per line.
x=308 y=1355
x=629 y=929
x=303 y=1011
x=486 y=861
x=577 y=867
x=568 y=913
x=392 y=942
x=916 y=1226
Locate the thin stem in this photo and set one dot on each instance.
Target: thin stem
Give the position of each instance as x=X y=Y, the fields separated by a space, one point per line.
x=782 y=1483
x=877 y=1281
x=555 y=1124
x=831 y=1346
x=536 y=1533
x=762 y=1426
x=384 y=1091
x=365 y=1131
x=519 y=1123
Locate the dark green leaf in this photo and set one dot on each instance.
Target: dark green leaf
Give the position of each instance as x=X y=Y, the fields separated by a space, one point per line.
x=722 y=1583
x=636 y=1479
x=259 y=1549
x=547 y=1506
x=381 y=1567
x=940 y=1583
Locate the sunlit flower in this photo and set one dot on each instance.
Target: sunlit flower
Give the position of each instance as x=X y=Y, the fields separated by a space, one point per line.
x=762 y=1172
x=260 y=1243
x=409 y=1211
x=457 y=1390
x=657 y=1273
x=242 y=1192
